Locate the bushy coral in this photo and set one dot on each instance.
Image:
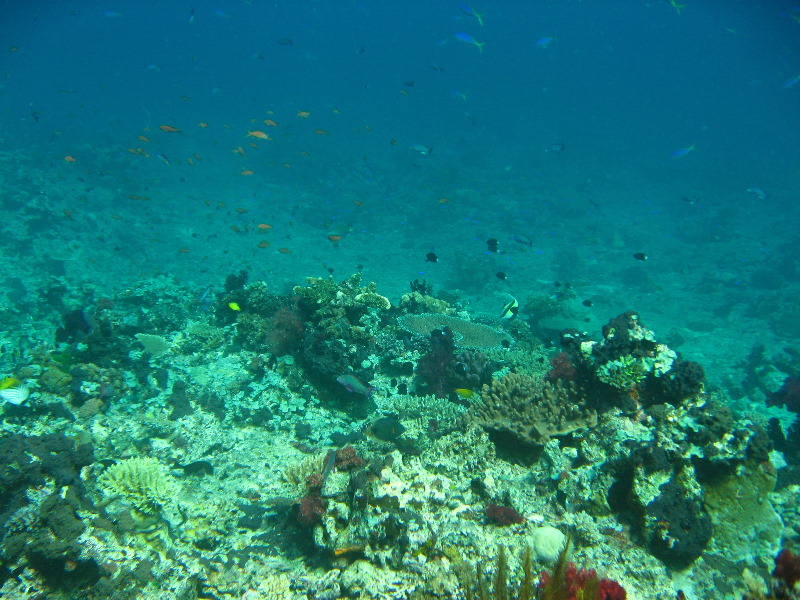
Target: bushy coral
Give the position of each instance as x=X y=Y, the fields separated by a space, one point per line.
x=142 y=482
x=532 y=411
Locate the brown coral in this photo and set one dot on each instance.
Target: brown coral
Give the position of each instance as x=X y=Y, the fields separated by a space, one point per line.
x=530 y=410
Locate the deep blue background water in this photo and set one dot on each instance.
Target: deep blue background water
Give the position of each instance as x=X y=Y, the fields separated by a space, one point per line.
x=568 y=143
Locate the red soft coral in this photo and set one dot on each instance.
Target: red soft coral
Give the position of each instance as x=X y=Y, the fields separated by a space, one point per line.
x=787 y=568
x=503 y=515
x=577 y=582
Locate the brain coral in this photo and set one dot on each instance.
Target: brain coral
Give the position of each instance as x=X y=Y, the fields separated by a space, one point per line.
x=466 y=333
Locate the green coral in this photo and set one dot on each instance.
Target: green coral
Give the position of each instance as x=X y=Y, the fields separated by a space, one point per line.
x=623 y=373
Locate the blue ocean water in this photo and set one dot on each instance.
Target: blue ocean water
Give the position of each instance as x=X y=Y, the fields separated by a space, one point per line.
x=151 y=139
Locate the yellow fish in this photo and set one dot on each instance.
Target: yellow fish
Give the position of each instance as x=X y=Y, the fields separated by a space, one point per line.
x=233 y=306
x=8 y=382
x=464 y=393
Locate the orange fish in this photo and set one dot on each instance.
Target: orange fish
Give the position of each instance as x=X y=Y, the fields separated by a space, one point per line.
x=169 y=128
x=241 y=210
x=258 y=134
x=303 y=113
x=197 y=156
x=247 y=172
x=270 y=123
x=264 y=244
x=13 y=49
x=358 y=203
x=70 y=159
x=284 y=251
x=116 y=217
x=142 y=138
x=348 y=550
x=190 y=160
x=236 y=228
x=335 y=238
x=68 y=214
x=444 y=200
x=287 y=165
x=132 y=151
x=183 y=250
x=320 y=132
x=264 y=227
x=404 y=92
x=203 y=124
x=142 y=152
x=239 y=151
x=252 y=144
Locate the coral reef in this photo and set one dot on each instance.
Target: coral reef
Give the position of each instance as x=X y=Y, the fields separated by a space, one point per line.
x=531 y=411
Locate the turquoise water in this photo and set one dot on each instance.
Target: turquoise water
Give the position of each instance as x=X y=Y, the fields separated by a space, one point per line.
x=143 y=144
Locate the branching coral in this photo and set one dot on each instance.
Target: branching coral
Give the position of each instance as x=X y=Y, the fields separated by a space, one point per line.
x=142 y=482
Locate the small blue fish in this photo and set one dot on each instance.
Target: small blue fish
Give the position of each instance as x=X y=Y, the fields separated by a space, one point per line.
x=791 y=82
x=461 y=95
x=353 y=384
x=468 y=39
x=206 y=299
x=468 y=10
x=163 y=159
x=682 y=152
x=758 y=193
x=544 y=42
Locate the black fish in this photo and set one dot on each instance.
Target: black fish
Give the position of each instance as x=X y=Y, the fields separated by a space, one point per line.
x=491 y=244
x=198 y=467
x=523 y=239
x=640 y=256
x=387 y=429
x=500 y=275
x=587 y=302
x=431 y=257
x=285 y=41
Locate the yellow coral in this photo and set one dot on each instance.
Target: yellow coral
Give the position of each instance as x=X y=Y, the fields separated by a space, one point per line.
x=142 y=482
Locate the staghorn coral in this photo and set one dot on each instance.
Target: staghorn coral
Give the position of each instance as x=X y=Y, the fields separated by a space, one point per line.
x=141 y=481
x=531 y=411
x=466 y=334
